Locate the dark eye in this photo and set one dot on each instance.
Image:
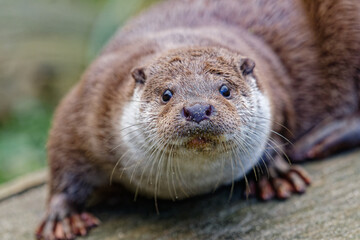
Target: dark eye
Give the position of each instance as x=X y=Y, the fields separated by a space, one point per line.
x=167 y=95
x=225 y=91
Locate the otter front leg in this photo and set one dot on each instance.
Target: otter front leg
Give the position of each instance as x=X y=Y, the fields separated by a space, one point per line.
x=70 y=186
x=276 y=179
x=327 y=138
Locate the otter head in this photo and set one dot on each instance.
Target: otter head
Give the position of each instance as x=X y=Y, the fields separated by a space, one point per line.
x=202 y=108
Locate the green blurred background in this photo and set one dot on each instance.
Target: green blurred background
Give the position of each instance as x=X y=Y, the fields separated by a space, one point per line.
x=45 y=45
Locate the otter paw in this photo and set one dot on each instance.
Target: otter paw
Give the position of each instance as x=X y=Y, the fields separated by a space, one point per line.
x=67 y=228
x=281 y=182
x=63 y=223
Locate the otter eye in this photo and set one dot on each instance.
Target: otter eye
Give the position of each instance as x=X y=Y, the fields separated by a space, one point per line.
x=167 y=95
x=225 y=91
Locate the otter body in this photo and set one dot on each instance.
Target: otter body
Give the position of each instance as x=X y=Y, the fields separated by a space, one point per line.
x=183 y=101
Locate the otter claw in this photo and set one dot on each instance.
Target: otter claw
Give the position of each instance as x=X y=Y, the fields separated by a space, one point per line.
x=90 y=220
x=266 y=192
x=63 y=222
x=282 y=188
x=67 y=228
x=283 y=180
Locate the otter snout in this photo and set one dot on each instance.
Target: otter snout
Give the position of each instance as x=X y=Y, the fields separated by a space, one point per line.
x=198 y=112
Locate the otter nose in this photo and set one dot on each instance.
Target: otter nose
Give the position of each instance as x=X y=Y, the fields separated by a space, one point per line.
x=197 y=112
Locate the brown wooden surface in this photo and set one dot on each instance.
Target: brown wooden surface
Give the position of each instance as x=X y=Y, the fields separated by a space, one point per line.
x=329 y=210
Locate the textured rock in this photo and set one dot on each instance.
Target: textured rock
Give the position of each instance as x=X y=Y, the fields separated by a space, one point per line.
x=329 y=210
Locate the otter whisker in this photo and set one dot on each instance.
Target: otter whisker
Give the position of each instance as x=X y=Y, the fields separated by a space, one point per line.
x=269 y=156
x=180 y=179
x=256 y=134
x=150 y=159
x=252 y=116
x=150 y=150
x=241 y=148
x=146 y=151
x=129 y=160
x=134 y=130
x=222 y=162
x=153 y=149
x=154 y=159
x=272 y=121
x=281 y=149
x=117 y=163
x=232 y=178
x=137 y=164
x=277 y=146
x=283 y=137
x=232 y=159
x=139 y=101
x=158 y=175
x=169 y=171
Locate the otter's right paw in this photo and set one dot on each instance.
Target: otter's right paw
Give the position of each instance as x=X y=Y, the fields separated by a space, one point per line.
x=62 y=222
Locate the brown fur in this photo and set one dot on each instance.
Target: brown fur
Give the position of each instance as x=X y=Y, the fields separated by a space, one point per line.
x=336 y=26
x=84 y=120
x=87 y=124
x=293 y=30
x=306 y=63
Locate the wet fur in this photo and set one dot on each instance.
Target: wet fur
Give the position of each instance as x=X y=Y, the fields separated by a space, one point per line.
x=155 y=131
x=304 y=68
x=86 y=119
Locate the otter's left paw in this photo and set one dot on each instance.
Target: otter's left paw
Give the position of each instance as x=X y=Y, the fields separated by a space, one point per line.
x=280 y=181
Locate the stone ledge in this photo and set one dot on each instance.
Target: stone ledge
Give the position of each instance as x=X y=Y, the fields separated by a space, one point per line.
x=329 y=210
x=23 y=184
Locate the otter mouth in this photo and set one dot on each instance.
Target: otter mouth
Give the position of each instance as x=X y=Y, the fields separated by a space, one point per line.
x=208 y=143
x=201 y=143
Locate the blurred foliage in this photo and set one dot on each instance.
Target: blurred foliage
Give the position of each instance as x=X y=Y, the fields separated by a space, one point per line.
x=108 y=21
x=22 y=140
x=44 y=48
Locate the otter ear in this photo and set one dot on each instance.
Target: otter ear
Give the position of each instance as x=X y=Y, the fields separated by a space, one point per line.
x=139 y=75
x=246 y=66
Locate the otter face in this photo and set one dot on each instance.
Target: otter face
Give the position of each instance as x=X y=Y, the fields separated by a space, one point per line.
x=201 y=108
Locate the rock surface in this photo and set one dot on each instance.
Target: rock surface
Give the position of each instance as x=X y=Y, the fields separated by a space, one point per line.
x=329 y=210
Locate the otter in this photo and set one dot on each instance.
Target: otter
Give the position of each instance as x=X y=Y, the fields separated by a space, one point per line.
x=181 y=102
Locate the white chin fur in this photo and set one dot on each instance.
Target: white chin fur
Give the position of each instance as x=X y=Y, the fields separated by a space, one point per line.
x=153 y=174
